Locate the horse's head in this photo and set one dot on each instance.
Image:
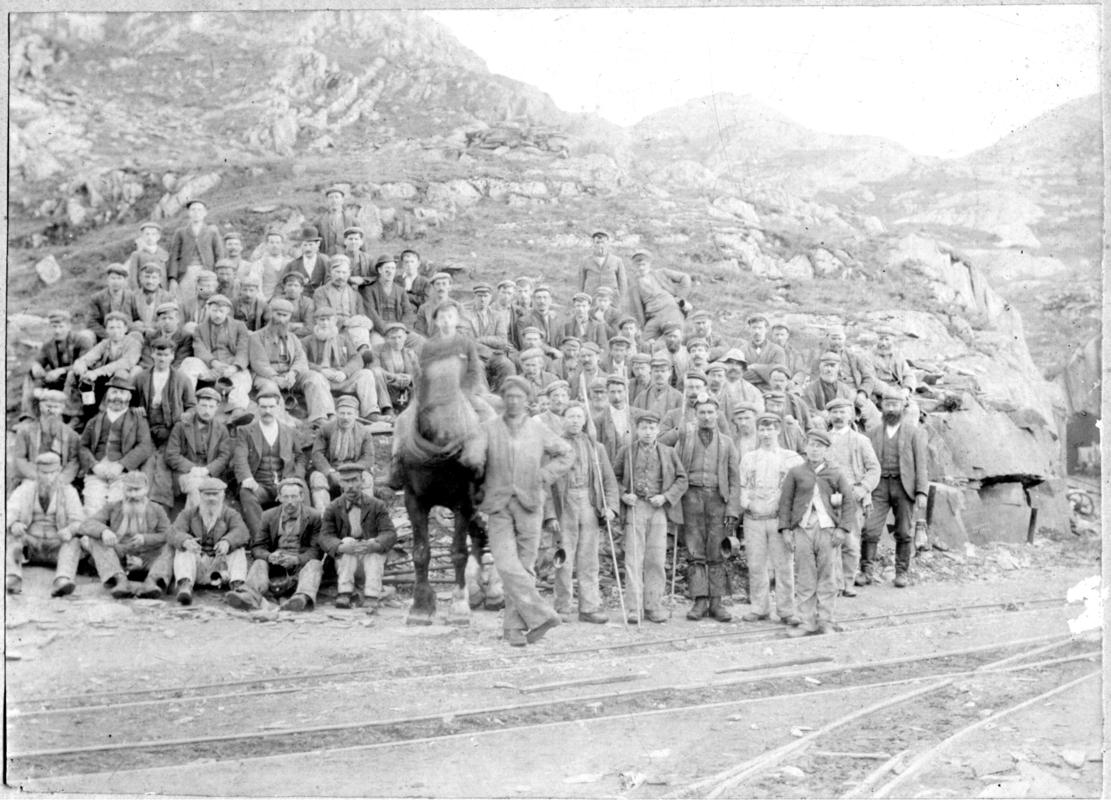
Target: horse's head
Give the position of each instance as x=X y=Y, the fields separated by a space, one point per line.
x=444 y=369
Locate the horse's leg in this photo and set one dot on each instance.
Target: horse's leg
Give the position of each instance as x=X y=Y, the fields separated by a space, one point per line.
x=424 y=599
x=460 y=605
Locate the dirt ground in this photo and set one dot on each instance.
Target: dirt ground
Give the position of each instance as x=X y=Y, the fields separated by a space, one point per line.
x=89 y=643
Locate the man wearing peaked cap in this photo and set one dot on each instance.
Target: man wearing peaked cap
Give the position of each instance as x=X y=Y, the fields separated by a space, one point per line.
x=588 y=370
x=130 y=535
x=312 y=264
x=114 y=297
x=338 y=441
x=199 y=446
x=892 y=369
x=119 y=352
x=220 y=352
x=48 y=434
x=702 y=327
x=481 y=318
x=657 y=296
x=51 y=367
x=164 y=393
x=336 y=220
x=816 y=511
x=694 y=387
x=148 y=252
x=581 y=324
x=194 y=246
x=660 y=396
x=43 y=516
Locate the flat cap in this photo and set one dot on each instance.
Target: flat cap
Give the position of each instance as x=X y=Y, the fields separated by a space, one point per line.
x=619 y=339
x=715 y=366
x=207 y=275
x=196 y=201
x=441 y=276
x=250 y=279
x=555 y=386
x=641 y=254
x=600 y=232
x=321 y=312
x=121 y=380
x=566 y=339
x=781 y=326
x=775 y=394
x=830 y=358
x=122 y=317
x=671 y=327
x=505 y=283
x=592 y=346
x=48 y=458
x=116 y=269
x=648 y=416
x=698 y=341
x=381 y=261
x=482 y=288
x=292 y=481
x=839 y=402
x=516 y=382
x=53 y=396
x=530 y=329
x=755 y=318
x=695 y=375
x=353 y=229
x=604 y=291
x=746 y=408
x=135 y=480
x=166 y=308
x=393 y=326
x=351 y=468
x=60 y=315
x=817 y=435
x=894 y=393
x=701 y=314
x=150 y=223
x=531 y=352
x=151 y=266
x=163 y=343
x=218 y=300
x=617 y=380
x=660 y=360
x=598 y=385
x=581 y=297
x=640 y=358
x=347 y=401
x=269 y=390
x=542 y=288
x=232 y=235
x=211 y=485
x=704 y=398
x=336 y=188
x=621 y=323
x=208 y=393
x=768 y=418
x=281 y=304
x=779 y=368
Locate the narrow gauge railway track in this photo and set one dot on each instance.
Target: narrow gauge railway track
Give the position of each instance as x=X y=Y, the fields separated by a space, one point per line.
x=115 y=757
x=836 y=755
x=278 y=684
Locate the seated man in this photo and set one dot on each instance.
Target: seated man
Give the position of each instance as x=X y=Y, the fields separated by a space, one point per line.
x=194 y=307
x=51 y=367
x=362 y=265
x=338 y=294
x=828 y=386
x=115 y=441
x=384 y=301
x=208 y=542
x=148 y=298
x=264 y=452
x=114 y=297
x=278 y=359
x=118 y=353
x=657 y=296
x=617 y=361
x=334 y=357
x=249 y=306
x=856 y=368
x=760 y=352
x=532 y=370
x=220 y=347
x=581 y=325
x=286 y=551
x=779 y=381
x=640 y=374
x=694 y=387
x=130 y=536
x=43 y=515
x=148 y=253
x=339 y=441
x=226 y=282
x=163 y=392
x=604 y=310
x=47 y=434
x=399 y=364
x=167 y=325
x=797 y=365
x=439 y=292
x=358 y=533
x=293 y=289
x=411 y=278
x=199 y=446
x=481 y=318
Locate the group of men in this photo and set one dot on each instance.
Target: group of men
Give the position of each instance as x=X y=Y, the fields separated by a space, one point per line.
x=633 y=415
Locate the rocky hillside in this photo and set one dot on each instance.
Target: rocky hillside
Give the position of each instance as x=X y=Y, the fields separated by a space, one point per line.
x=485 y=175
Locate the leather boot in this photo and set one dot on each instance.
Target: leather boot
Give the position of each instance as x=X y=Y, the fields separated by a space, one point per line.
x=149 y=590
x=62 y=587
x=299 y=602
x=700 y=608
x=718 y=611
x=903 y=551
x=122 y=587
x=13 y=584
x=185 y=591
x=868 y=552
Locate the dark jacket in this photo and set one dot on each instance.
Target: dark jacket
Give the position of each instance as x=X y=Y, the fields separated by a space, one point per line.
x=208 y=244
x=376 y=525
x=914 y=469
x=100 y=305
x=135 y=442
x=28 y=444
x=55 y=354
x=603 y=484
x=364 y=446
x=728 y=466
x=269 y=533
x=182 y=446
x=110 y=516
x=229 y=527
x=177 y=395
x=318 y=276
x=233 y=335
x=674 y=476
x=798 y=488
x=247 y=452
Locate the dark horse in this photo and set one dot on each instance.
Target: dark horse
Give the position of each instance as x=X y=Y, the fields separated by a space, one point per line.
x=439 y=453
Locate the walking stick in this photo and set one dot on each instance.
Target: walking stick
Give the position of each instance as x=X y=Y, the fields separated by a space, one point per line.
x=609 y=532
x=633 y=511
x=674 y=572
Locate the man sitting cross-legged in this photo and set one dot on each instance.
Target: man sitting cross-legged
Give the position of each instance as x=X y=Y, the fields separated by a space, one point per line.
x=286 y=554
x=339 y=441
x=127 y=536
x=209 y=542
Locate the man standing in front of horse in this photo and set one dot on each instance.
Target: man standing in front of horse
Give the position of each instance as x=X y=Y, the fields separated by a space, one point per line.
x=522 y=457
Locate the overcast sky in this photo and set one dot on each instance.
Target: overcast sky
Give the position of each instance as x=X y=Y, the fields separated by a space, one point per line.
x=941 y=81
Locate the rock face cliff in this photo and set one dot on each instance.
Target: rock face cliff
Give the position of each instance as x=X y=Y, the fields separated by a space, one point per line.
x=118 y=120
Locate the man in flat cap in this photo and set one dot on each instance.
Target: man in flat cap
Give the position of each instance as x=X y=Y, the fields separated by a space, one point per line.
x=481 y=318
x=199 y=446
x=50 y=368
x=853 y=453
x=640 y=374
x=581 y=325
x=339 y=441
x=250 y=307
x=816 y=511
x=292 y=289
x=130 y=536
x=671 y=342
x=117 y=354
x=220 y=350
x=892 y=369
x=278 y=360
x=399 y=364
x=533 y=372
x=164 y=393
x=616 y=359
x=335 y=220
x=614 y=426
x=660 y=397
x=226 y=282
x=384 y=301
x=439 y=292
x=768 y=549
x=698 y=351
x=702 y=327
x=358 y=533
x=411 y=279
x=798 y=366
x=606 y=311
x=900 y=445
x=657 y=295
x=233 y=255
x=194 y=305
x=694 y=387
x=362 y=263
x=569 y=349
x=603 y=268
x=559 y=397
x=209 y=542
x=742 y=428
x=194 y=246
x=148 y=252
x=46 y=434
x=167 y=325
x=311 y=264
x=334 y=356
x=115 y=297
x=337 y=293
x=43 y=516
x=587 y=371
x=541 y=316
x=286 y=555
x=115 y=441
x=149 y=296
x=828 y=386
x=791 y=434
x=263 y=453
x=856 y=368
x=711 y=506
x=760 y=351
x=779 y=380
x=522 y=458
x=269 y=260
x=652 y=481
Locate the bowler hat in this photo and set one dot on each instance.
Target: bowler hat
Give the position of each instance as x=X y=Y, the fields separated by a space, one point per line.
x=121 y=381
x=309 y=233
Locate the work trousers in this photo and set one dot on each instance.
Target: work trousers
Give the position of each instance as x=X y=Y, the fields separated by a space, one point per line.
x=263 y=574
x=815 y=590
x=653 y=327
x=40 y=545
x=889 y=495
x=254 y=502
x=846 y=560
x=111 y=562
x=362 y=382
x=370 y=566
x=238 y=397
x=314 y=388
x=645 y=556
x=211 y=570
x=99 y=492
x=514 y=537
x=768 y=554
x=578 y=527
x=703 y=530
x=323 y=489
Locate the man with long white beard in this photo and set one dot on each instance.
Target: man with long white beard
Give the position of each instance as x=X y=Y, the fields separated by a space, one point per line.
x=49 y=433
x=334 y=357
x=208 y=543
x=128 y=536
x=278 y=359
x=116 y=441
x=339 y=441
x=43 y=515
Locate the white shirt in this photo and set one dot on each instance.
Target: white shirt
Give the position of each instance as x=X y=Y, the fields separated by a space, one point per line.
x=817 y=513
x=158 y=383
x=113 y=415
x=620 y=417
x=269 y=432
